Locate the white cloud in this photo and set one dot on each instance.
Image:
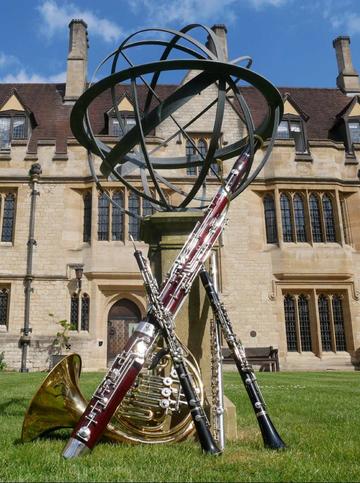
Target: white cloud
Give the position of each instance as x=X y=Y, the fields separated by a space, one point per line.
x=166 y=12
x=23 y=77
x=341 y=16
x=57 y=18
x=353 y=23
x=6 y=60
x=266 y=3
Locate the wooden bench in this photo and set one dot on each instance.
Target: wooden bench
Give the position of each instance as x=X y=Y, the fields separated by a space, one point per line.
x=266 y=357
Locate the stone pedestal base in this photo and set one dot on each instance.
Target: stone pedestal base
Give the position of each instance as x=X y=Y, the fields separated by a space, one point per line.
x=166 y=234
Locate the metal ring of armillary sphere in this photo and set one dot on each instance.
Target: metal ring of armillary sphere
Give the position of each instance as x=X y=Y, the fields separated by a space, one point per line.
x=131 y=152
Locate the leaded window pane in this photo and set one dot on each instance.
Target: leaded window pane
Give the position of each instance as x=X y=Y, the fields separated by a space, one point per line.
x=345 y=221
x=74 y=312
x=19 y=127
x=117 y=225
x=4 y=302
x=324 y=316
x=115 y=128
x=130 y=122
x=283 y=130
x=8 y=218
x=85 y=311
x=297 y=134
x=286 y=218
x=103 y=217
x=87 y=217
x=134 y=222
x=202 y=147
x=147 y=207
x=190 y=151
x=5 y=123
x=339 y=323
x=315 y=219
x=299 y=214
x=329 y=219
x=270 y=219
x=354 y=128
x=290 y=323
x=304 y=322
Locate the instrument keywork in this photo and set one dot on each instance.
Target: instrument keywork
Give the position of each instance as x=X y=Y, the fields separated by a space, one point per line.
x=270 y=436
x=181 y=52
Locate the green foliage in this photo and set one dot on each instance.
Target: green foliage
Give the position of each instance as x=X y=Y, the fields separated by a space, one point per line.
x=315 y=413
x=2 y=361
x=61 y=341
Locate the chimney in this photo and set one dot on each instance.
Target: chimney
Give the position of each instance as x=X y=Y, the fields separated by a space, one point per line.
x=348 y=78
x=77 y=60
x=220 y=31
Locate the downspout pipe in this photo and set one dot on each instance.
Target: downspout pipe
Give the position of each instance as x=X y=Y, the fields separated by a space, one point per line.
x=34 y=173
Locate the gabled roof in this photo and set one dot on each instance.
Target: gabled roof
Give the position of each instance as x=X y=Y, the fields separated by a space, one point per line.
x=45 y=101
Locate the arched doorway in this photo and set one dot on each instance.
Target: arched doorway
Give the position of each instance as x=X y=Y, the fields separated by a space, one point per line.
x=123 y=317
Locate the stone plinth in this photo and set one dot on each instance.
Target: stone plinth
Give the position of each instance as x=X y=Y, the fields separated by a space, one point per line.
x=166 y=234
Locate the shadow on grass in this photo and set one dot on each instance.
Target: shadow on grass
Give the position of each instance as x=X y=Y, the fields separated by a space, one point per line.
x=13 y=407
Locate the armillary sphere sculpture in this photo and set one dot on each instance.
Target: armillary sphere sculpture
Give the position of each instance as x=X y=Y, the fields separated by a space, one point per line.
x=129 y=155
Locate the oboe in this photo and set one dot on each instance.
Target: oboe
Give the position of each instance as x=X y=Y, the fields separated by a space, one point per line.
x=270 y=435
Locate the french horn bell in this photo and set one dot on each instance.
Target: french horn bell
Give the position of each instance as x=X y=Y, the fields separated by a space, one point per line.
x=153 y=411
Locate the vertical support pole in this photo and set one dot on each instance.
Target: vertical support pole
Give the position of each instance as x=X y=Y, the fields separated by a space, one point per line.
x=35 y=172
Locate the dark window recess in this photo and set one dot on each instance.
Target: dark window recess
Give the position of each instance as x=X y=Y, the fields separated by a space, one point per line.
x=12 y=127
x=87 y=217
x=299 y=214
x=329 y=219
x=339 y=323
x=304 y=321
x=147 y=207
x=190 y=151
x=290 y=323
x=270 y=219
x=324 y=317
x=74 y=312
x=128 y=123
x=103 y=217
x=292 y=129
x=85 y=311
x=287 y=227
x=117 y=225
x=4 y=306
x=134 y=221
x=315 y=219
x=8 y=218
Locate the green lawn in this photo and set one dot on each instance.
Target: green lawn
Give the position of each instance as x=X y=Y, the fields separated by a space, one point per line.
x=317 y=414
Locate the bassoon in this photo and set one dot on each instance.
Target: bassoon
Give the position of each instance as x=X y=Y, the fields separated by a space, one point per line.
x=130 y=361
x=270 y=435
x=185 y=269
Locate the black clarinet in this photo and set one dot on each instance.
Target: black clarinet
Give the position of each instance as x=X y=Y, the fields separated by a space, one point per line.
x=163 y=319
x=270 y=436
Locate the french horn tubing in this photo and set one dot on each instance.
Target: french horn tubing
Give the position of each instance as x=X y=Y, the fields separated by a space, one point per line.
x=153 y=411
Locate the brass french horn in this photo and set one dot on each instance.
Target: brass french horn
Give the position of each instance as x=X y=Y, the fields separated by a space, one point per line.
x=153 y=411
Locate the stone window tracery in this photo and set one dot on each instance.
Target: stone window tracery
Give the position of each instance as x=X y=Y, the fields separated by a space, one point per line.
x=199 y=146
x=309 y=314
x=79 y=311
x=4 y=306
x=7 y=216
x=306 y=216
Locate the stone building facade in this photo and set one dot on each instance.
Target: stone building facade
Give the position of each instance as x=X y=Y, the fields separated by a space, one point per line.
x=289 y=258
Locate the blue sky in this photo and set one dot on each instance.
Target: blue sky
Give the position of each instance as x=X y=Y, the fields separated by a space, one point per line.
x=290 y=40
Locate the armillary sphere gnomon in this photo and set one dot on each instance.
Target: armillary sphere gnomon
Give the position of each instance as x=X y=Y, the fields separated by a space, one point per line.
x=134 y=366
